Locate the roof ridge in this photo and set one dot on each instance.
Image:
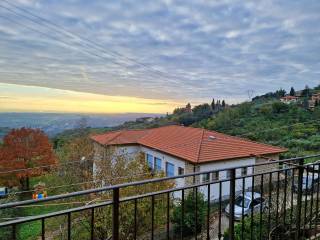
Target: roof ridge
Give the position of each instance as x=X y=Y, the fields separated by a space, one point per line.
x=117 y=135
x=200 y=144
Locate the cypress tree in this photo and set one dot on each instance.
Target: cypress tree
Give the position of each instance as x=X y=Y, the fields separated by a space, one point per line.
x=292 y=92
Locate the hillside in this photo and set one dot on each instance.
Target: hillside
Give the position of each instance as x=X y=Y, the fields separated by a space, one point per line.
x=264 y=119
x=271 y=122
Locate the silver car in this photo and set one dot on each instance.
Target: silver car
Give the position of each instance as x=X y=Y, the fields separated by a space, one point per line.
x=244 y=204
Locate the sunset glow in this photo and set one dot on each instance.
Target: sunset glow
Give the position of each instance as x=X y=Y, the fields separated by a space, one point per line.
x=40 y=99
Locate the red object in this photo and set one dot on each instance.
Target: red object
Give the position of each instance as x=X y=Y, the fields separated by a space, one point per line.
x=192 y=144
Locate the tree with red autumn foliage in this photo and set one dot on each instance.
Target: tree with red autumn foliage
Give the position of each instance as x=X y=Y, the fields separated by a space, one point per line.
x=25 y=148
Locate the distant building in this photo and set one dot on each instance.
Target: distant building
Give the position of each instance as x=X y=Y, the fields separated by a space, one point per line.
x=145 y=119
x=315 y=98
x=178 y=150
x=289 y=99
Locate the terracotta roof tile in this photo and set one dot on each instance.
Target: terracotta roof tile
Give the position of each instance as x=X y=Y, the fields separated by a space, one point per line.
x=193 y=144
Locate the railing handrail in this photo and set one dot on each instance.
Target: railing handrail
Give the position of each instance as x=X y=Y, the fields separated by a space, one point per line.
x=135 y=197
x=147 y=181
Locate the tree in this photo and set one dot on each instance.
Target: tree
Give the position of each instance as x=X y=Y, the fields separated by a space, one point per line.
x=202 y=111
x=223 y=104
x=306 y=92
x=189 y=221
x=26 y=148
x=279 y=107
x=188 y=108
x=213 y=105
x=120 y=167
x=292 y=92
x=78 y=150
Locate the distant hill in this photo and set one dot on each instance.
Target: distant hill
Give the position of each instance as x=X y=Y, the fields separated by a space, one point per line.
x=54 y=123
x=3 y=131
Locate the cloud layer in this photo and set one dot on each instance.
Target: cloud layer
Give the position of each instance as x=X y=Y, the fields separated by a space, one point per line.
x=178 y=50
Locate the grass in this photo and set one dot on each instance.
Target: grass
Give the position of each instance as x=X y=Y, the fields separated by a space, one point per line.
x=32 y=230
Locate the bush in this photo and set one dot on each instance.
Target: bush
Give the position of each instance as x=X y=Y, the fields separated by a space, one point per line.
x=279 y=107
x=189 y=221
x=256 y=229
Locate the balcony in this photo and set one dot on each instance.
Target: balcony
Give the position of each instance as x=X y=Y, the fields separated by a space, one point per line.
x=281 y=201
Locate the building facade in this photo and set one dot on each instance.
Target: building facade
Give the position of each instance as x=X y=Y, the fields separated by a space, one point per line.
x=178 y=150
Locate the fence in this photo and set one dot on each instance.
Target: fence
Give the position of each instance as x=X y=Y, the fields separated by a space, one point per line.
x=282 y=202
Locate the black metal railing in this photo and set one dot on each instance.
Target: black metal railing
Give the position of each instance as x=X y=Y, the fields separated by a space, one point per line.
x=276 y=200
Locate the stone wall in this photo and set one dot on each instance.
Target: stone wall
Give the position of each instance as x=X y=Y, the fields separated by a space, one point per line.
x=266 y=168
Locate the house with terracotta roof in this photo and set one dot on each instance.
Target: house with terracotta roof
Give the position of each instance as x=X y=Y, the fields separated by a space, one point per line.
x=289 y=99
x=178 y=150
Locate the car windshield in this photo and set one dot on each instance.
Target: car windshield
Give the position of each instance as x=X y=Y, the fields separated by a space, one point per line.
x=240 y=200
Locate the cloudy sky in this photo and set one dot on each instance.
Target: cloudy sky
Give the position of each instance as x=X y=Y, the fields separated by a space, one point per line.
x=151 y=56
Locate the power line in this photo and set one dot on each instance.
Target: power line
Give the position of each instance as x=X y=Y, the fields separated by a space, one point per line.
x=64 y=31
x=58 y=27
x=57 y=39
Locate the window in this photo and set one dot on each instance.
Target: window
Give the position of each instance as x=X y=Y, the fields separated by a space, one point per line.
x=215 y=176
x=206 y=177
x=157 y=164
x=240 y=201
x=150 y=161
x=228 y=173
x=180 y=171
x=244 y=171
x=169 y=169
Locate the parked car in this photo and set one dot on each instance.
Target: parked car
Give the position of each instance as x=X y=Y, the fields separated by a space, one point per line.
x=245 y=202
x=308 y=183
x=3 y=192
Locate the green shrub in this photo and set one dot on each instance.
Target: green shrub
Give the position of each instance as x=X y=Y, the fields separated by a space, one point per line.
x=189 y=221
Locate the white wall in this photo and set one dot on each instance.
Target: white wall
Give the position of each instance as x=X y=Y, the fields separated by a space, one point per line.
x=129 y=150
x=214 y=188
x=213 y=166
x=167 y=158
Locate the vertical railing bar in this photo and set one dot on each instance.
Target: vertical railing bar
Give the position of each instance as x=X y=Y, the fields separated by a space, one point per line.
x=242 y=215
x=115 y=214
x=311 y=204
x=135 y=218
x=182 y=214
x=261 y=192
x=168 y=215
x=306 y=201
x=292 y=196
x=43 y=234
x=285 y=196
x=69 y=225
x=299 y=199
x=152 y=217
x=92 y=223
x=270 y=202
x=231 y=202
x=208 y=213
x=277 y=198
x=317 y=198
x=196 y=214
x=252 y=197
x=220 y=210
x=14 y=232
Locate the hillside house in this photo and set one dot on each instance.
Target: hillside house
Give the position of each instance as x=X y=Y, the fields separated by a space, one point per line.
x=178 y=150
x=289 y=99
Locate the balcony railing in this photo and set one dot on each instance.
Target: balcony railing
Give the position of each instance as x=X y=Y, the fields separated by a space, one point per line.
x=277 y=200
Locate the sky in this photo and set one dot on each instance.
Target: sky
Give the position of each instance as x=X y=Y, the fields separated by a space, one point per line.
x=152 y=56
